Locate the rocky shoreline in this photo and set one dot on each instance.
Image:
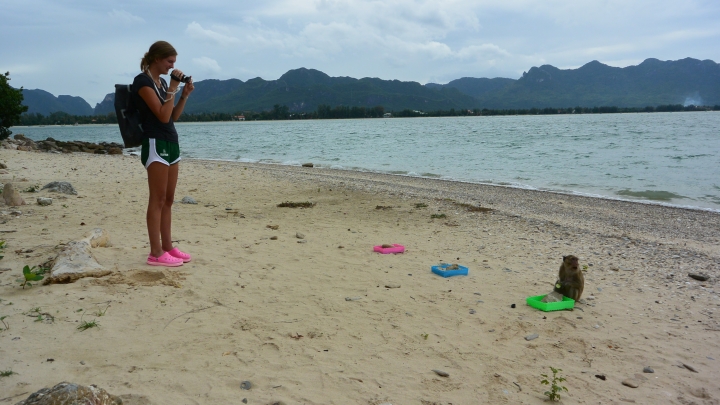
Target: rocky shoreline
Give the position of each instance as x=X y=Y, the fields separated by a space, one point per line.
x=51 y=145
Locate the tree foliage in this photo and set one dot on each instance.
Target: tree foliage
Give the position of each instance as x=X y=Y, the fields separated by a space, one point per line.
x=10 y=105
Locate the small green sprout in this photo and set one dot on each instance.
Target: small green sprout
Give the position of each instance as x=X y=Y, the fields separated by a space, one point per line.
x=7 y=373
x=555 y=388
x=85 y=325
x=2 y=319
x=31 y=274
x=438 y=216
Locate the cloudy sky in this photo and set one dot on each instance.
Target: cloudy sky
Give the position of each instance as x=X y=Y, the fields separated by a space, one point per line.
x=83 y=47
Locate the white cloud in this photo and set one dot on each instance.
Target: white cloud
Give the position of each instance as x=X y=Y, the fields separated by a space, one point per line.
x=125 y=17
x=207 y=64
x=196 y=31
x=481 y=51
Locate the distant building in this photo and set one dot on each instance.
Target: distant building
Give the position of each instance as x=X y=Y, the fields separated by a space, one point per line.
x=387 y=115
x=240 y=117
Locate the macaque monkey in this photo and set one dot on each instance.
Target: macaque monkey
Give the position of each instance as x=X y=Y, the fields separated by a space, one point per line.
x=570 y=278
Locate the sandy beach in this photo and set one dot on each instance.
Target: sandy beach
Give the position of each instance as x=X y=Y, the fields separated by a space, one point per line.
x=307 y=313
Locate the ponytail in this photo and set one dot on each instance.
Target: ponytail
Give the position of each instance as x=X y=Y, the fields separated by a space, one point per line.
x=158 y=50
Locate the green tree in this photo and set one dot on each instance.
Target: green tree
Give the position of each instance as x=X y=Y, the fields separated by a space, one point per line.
x=10 y=106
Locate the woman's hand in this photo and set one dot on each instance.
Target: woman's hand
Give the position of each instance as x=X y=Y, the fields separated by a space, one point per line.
x=188 y=88
x=175 y=83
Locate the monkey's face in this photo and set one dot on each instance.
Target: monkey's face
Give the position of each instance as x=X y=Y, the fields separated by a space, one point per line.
x=572 y=262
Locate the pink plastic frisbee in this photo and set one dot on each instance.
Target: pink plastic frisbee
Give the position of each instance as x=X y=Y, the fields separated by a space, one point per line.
x=394 y=249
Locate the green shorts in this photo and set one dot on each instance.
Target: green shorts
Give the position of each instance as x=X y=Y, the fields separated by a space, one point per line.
x=157 y=150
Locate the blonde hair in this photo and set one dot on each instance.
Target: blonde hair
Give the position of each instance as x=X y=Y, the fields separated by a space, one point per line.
x=158 y=50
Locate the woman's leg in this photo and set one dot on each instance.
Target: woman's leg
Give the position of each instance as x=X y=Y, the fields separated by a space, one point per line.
x=158 y=176
x=166 y=218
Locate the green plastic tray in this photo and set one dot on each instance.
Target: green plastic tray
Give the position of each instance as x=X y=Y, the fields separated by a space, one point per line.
x=535 y=302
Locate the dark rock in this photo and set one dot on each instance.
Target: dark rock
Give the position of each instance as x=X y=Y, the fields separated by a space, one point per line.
x=307 y=165
x=60 y=187
x=71 y=394
x=601 y=376
x=689 y=367
x=698 y=277
x=114 y=151
x=648 y=369
x=246 y=385
x=3 y=166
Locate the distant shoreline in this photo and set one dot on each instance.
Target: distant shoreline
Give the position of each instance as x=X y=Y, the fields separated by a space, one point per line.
x=344 y=112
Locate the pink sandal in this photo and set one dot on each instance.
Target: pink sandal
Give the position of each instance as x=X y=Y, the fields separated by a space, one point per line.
x=175 y=252
x=165 y=259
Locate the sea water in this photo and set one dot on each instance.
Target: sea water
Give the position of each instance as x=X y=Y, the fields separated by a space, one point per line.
x=665 y=158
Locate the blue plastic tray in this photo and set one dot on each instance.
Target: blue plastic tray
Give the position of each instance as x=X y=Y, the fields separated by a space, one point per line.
x=440 y=270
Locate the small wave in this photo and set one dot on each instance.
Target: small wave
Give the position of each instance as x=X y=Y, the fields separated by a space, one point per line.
x=689 y=156
x=654 y=195
x=431 y=175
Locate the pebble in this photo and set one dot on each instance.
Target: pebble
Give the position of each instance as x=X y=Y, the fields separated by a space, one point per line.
x=531 y=337
x=246 y=385
x=300 y=235
x=352 y=298
x=392 y=285
x=441 y=373
x=472 y=311
x=648 y=369
x=696 y=276
x=302 y=241
x=188 y=200
x=689 y=367
x=273 y=238
x=601 y=376
x=630 y=383
x=512 y=306
x=44 y=201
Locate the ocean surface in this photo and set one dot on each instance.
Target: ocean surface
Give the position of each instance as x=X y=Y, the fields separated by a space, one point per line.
x=662 y=158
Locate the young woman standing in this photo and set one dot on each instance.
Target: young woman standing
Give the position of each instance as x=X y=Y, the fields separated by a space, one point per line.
x=155 y=101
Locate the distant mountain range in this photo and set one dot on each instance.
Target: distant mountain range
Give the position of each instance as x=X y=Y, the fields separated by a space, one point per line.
x=651 y=83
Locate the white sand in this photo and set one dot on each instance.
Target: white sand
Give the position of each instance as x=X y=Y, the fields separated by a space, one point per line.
x=274 y=312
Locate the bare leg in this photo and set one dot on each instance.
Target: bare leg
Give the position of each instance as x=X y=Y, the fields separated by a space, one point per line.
x=157 y=184
x=166 y=218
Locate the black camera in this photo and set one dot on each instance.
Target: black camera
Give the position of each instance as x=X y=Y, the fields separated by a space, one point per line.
x=183 y=79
